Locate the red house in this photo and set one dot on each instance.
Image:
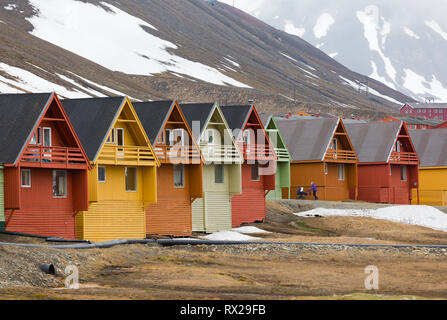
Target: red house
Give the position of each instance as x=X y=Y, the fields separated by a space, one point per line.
x=258 y=169
x=45 y=166
x=437 y=111
x=414 y=123
x=388 y=163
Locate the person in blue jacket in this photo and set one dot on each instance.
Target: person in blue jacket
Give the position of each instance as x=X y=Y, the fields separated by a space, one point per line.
x=313 y=188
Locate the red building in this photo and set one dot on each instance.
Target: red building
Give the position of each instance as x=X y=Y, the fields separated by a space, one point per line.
x=388 y=163
x=414 y=123
x=258 y=169
x=437 y=111
x=45 y=166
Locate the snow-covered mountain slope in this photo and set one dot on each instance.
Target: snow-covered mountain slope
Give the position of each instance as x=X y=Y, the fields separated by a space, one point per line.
x=401 y=43
x=164 y=49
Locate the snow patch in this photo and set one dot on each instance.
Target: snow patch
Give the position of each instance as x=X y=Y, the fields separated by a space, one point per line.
x=437 y=28
x=424 y=216
x=233 y=62
x=228 y=236
x=375 y=75
x=323 y=25
x=10 y=7
x=410 y=33
x=290 y=28
x=288 y=57
x=356 y=86
x=249 y=230
x=420 y=86
x=333 y=54
x=101 y=36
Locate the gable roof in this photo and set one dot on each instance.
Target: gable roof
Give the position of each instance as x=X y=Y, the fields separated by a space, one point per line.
x=431 y=146
x=416 y=105
x=237 y=116
x=92 y=119
x=307 y=139
x=201 y=112
x=373 y=141
x=153 y=115
x=19 y=115
x=265 y=118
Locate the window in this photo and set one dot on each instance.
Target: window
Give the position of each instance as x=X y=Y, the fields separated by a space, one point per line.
x=246 y=137
x=179 y=176
x=219 y=173
x=255 y=172
x=162 y=139
x=403 y=173
x=111 y=137
x=36 y=138
x=390 y=171
x=334 y=144
x=47 y=137
x=210 y=136
x=131 y=179
x=341 y=172
x=59 y=183
x=325 y=168
x=177 y=137
x=102 y=174
x=25 y=178
x=120 y=136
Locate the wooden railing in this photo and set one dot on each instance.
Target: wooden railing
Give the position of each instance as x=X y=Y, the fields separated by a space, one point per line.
x=408 y=157
x=340 y=155
x=257 y=152
x=40 y=156
x=133 y=155
x=282 y=154
x=220 y=153
x=178 y=154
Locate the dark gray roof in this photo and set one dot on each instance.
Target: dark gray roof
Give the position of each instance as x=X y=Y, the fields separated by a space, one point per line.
x=307 y=139
x=236 y=116
x=431 y=146
x=265 y=118
x=427 y=105
x=373 y=141
x=19 y=114
x=92 y=119
x=201 y=112
x=153 y=116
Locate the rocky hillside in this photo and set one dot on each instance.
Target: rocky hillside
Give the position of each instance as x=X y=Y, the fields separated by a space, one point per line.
x=189 y=50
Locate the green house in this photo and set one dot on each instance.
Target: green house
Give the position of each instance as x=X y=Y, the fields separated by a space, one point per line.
x=221 y=170
x=282 y=185
x=2 y=200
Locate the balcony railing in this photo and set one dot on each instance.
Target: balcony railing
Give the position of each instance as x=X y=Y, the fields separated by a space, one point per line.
x=53 y=157
x=220 y=153
x=257 y=152
x=178 y=154
x=340 y=155
x=282 y=154
x=126 y=155
x=408 y=157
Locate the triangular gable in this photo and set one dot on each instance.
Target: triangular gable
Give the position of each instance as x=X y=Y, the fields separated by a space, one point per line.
x=53 y=112
x=402 y=136
x=342 y=135
x=126 y=114
x=280 y=144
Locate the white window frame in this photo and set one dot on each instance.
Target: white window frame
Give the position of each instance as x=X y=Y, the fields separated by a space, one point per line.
x=334 y=144
x=342 y=171
x=173 y=134
x=37 y=137
x=120 y=130
x=403 y=173
x=43 y=136
x=183 y=175
x=105 y=174
x=29 y=178
x=112 y=137
x=246 y=137
x=66 y=184
x=162 y=139
x=223 y=173
x=325 y=168
x=136 y=179
x=210 y=134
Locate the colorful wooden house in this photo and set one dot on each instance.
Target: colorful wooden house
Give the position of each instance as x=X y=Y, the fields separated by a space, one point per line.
x=122 y=181
x=221 y=170
x=282 y=175
x=321 y=152
x=180 y=175
x=431 y=147
x=45 y=166
x=388 y=162
x=2 y=201
x=259 y=167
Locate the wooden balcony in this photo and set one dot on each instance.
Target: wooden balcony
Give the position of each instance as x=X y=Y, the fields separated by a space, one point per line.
x=178 y=154
x=126 y=155
x=220 y=153
x=257 y=152
x=282 y=154
x=53 y=157
x=404 y=157
x=340 y=156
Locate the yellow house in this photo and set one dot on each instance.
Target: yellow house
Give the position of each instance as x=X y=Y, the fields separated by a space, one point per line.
x=123 y=178
x=431 y=147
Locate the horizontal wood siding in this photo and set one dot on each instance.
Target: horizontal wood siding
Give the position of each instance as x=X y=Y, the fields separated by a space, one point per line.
x=250 y=205
x=50 y=221
x=2 y=201
x=198 y=215
x=109 y=220
x=218 y=211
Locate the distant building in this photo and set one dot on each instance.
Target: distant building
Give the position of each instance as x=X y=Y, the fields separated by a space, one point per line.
x=425 y=110
x=414 y=123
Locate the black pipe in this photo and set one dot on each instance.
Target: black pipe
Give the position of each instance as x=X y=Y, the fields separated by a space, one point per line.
x=48 y=268
x=57 y=239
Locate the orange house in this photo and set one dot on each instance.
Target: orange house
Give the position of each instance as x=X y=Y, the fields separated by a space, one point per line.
x=259 y=167
x=45 y=166
x=321 y=152
x=179 y=178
